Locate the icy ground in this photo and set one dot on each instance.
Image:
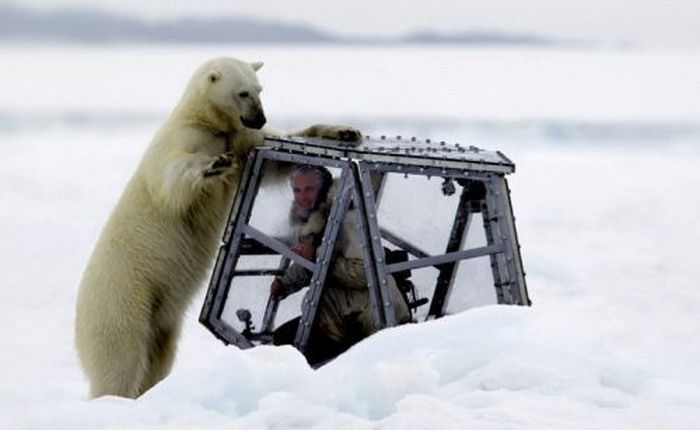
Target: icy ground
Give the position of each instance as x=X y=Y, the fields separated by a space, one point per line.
x=607 y=220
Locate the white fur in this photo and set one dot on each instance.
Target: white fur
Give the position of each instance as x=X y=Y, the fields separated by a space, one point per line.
x=161 y=238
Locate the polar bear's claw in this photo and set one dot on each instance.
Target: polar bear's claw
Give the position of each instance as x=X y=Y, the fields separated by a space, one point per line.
x=222 y=163
x=340 y=132
x=349 y=135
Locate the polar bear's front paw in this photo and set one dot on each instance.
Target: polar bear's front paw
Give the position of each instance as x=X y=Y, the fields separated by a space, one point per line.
x=339 y=132
x=349 y=135
x=221 y=164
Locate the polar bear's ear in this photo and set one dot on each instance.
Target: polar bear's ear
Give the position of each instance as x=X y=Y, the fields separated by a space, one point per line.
x=213 y=75
x=256 y=65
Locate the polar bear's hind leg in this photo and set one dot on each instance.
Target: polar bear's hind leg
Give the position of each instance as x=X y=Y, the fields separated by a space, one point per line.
x=124 y=365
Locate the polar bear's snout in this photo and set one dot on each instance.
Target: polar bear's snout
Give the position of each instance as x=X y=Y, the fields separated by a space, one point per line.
x=257 y=120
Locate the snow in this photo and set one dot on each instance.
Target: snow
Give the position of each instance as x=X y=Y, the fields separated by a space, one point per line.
x=604 y=195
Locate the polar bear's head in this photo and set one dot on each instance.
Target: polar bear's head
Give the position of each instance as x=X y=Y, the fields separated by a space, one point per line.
x=230 y=89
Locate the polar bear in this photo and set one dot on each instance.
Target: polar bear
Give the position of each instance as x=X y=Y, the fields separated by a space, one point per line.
x=161 y=237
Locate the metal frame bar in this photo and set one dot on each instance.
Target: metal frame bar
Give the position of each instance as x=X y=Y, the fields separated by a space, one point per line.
x=207 y=311
x=493 y=217
x=498 y=278
x=403 y=244
x=446 y=277
x=296 y=158
x=370 y=207
x=452 y=172
x=512 y=265
x=395 y=151
x=278 y=246
x=228 y=255
x=378 y=179
x=524 y=298
x=446 y=258
x=257 y=272
x=318 y=280
x=369 y=261
x=419 y=162
x=273 y=303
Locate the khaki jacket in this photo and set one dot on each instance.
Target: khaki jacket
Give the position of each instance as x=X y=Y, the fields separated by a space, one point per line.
x=346 y=293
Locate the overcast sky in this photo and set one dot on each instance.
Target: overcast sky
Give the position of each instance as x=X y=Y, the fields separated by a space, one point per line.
x=658 y=23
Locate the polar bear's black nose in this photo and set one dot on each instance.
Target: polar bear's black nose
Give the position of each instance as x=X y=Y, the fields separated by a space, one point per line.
x=257 y=123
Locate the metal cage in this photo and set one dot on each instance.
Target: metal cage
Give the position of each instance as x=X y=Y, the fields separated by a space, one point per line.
x=362 y=171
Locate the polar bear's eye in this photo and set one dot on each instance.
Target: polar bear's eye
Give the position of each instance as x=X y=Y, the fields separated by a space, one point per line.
x=243 y=94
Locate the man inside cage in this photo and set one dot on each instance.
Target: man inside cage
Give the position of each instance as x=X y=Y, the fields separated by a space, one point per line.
x=344 y=316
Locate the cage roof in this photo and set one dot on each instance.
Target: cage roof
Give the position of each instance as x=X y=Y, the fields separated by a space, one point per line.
x=402 y=151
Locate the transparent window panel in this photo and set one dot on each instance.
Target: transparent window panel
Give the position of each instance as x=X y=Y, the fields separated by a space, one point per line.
x=473 y=285
x=270 y=215
x=476 y=236
x=474 y=281
x=247 y=293
x=290 y=307
x=273 y=202
x=251 y=293
x=424 y=281
x=415 y=209
x=262 y=262
x=270 y=209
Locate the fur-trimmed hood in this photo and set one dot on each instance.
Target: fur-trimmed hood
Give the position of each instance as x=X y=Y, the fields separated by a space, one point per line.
x=310 y=230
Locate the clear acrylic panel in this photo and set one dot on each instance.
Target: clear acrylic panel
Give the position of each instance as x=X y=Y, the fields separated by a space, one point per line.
x=415 y=208
x=270 y=215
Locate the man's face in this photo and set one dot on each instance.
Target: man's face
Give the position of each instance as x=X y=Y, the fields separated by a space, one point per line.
x=306 y=188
